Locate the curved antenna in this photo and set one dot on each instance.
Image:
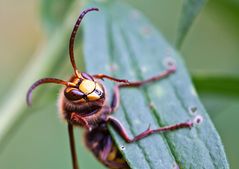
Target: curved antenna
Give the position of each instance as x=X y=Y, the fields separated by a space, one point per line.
x=42 y=81
x=73 y=34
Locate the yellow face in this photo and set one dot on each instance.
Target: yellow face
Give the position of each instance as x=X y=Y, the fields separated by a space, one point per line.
x=87 y=86
x=84 y=90
x=91 y=89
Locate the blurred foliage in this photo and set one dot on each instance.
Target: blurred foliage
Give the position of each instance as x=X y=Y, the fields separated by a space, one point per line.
x=190 y=10
x=42 y=64
x=53 y=13
x=210 y=48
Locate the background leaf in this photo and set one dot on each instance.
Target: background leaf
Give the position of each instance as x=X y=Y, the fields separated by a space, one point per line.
x=53 y=12
x=190 y=10
x=43 y=64
x=121 y=42
x=223 y=84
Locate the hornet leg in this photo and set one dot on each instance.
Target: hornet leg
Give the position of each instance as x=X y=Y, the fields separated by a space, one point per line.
x=116 y=95
x=121 y=130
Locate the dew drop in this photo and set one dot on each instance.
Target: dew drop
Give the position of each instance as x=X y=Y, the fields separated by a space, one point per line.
x=122 y=147
x=198 y=120
x=169 y=62
x=193 y=110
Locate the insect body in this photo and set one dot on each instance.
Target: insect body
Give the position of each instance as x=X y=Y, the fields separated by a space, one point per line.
x=84 y=103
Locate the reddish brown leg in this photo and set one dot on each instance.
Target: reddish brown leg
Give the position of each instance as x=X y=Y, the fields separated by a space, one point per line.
x=75 y=118
x=150 y=80
x=137 y=83
x=116 y=95
x=102 y=76
x=119 y=127
x=72 y=146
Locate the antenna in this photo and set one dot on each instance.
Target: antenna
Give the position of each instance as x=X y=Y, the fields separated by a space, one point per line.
x=73 y=35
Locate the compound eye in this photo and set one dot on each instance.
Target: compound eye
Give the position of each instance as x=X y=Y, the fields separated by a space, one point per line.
x=87 y=76
x=73 y=94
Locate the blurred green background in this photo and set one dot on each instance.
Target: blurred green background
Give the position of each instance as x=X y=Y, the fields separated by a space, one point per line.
x=210 y=49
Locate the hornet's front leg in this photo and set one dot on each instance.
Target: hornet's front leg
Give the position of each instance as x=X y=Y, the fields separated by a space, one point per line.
x=116 y=95
x=78 y=120
x=102 y=76
x=137 y=83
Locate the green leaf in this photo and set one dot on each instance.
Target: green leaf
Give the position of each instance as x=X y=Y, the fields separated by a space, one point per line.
x=223 y=84
x=120 y=41
x=45 y=61
x=218 y=92
x=52 y=13
x=190 y=10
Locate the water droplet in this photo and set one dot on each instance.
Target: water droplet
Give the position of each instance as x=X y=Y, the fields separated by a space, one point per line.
x=122 y=147
x=169 y=62
x=198 y=120
x=193 y=110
